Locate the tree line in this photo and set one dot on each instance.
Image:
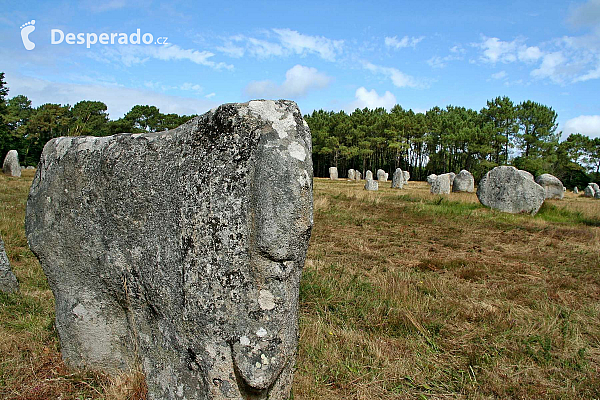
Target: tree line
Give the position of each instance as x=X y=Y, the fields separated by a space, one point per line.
x=453 y=138
x=440 y=140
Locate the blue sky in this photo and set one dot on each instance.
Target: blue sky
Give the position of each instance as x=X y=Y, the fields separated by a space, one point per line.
x=336 y=56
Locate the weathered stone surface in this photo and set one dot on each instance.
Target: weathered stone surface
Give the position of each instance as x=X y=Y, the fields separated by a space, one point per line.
x=381 y=175
x=441 y=184
x=181 y=249
x=351 y=174
x=589 y=191
x=553 y=187
x=11 y=164
x=8 y=280
x=30 y=167
x=357 y=175
x=406 y=176
x=526 y=174
x=575 y=190
x=398 y=179
x=507 y=189
x=431 y=178
x=371 y=184
x=452 y=176
x=463 y=182
x=595 y=186
x=368 y=175
x=333 y=173
x=597 y=194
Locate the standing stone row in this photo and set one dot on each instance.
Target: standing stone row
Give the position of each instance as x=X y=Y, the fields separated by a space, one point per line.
x=592 y=190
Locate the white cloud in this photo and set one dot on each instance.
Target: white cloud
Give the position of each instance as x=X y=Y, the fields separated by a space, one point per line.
x=139 y=54
x=370 y=99
x=588 y=125
x=394 y=43
x=399 y=78
x=118 y=99
x=591 y=74
x=210 y=95
x=496 y=50
x=299 y=80
x=550 y=67
x=499 y=75
x=529 y=54
x=298 y=43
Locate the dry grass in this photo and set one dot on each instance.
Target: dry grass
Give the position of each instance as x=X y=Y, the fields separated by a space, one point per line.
x=405 y=295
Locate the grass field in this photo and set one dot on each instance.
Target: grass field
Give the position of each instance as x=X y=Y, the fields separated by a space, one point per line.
x=405 y=295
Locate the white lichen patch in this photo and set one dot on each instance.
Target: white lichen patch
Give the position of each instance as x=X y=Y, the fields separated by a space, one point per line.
x=268 y=110
x=297 y=151
x=266 y=300
x=245 y=341
x=261 y=332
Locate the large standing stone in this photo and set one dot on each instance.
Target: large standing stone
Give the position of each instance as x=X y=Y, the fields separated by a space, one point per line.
x=507 y=189
x=155 y=256
x=595 y=186
x=553 y=187
x=8 y=280
x=463 y=182
x=526 y=174
x=371 y=184
x=575 y=190
x=406 y=176
x=357 y=175
x=381 y=175
x=368 y=175
x=441 y=184
x=398 y=179
x=351 y=174
x=11 y=164
x=452 y=176
x=431 y=178
x=589 y=191
x=333 y=173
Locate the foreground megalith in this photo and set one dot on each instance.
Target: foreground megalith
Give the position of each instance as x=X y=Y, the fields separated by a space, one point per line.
x=441 y=184
x=11 y=166
x=553 y=187
x=510 y=190
x=8 y=280
x=181 y=250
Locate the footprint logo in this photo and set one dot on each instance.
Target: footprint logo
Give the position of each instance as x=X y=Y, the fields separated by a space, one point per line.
x=26 y=29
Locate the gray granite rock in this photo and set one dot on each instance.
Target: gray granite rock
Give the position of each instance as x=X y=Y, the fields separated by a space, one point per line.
x=431 y=178
x=8 y=280
x=589 y=191
x=333 y=173
x=357 y=175
x=368 y=175
x=452 y=176
x=441 y=184
x=351 y=174
x=371 y=184
x=526 y=174
x=463 y=182
x=381 y=175
x=575 y=190
x=595 y=186
x=182 y=249
x=553 y=187
x=406 y=176
x=398 y=179
x=507 y=189
x=11 y=164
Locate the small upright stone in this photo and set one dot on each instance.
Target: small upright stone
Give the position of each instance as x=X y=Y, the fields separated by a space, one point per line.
x=11 y=164
x=357 y=175
x=368 y=175
x=333 y=173
x=431 y=178
x=351 y=174
x=8 y=280
x=589 y=191
x=371 y=185
x=464 y=182
x=441 y=185
x=406 y=176
x=381 y=175
x=575 y=190
x=553 y=187
x=508 y=189
x=398 y=179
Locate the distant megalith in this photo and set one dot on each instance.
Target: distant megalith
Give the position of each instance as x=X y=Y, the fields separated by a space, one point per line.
x=507 y=189
x=452 y=176
x=575 y=190
x=398 y=179
x=406 y=176
x=333 y=173
x=553 y=187
x=8 y=280
x=431 y=178
x=463 y=182
x=357 y=175
x=181 y=249
x=381 y=175
x=11 y=164
x=589 y=191
x=595 y=186
x=368 y=175
x=371 y=184
x=351 y=174
x=441 y=184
